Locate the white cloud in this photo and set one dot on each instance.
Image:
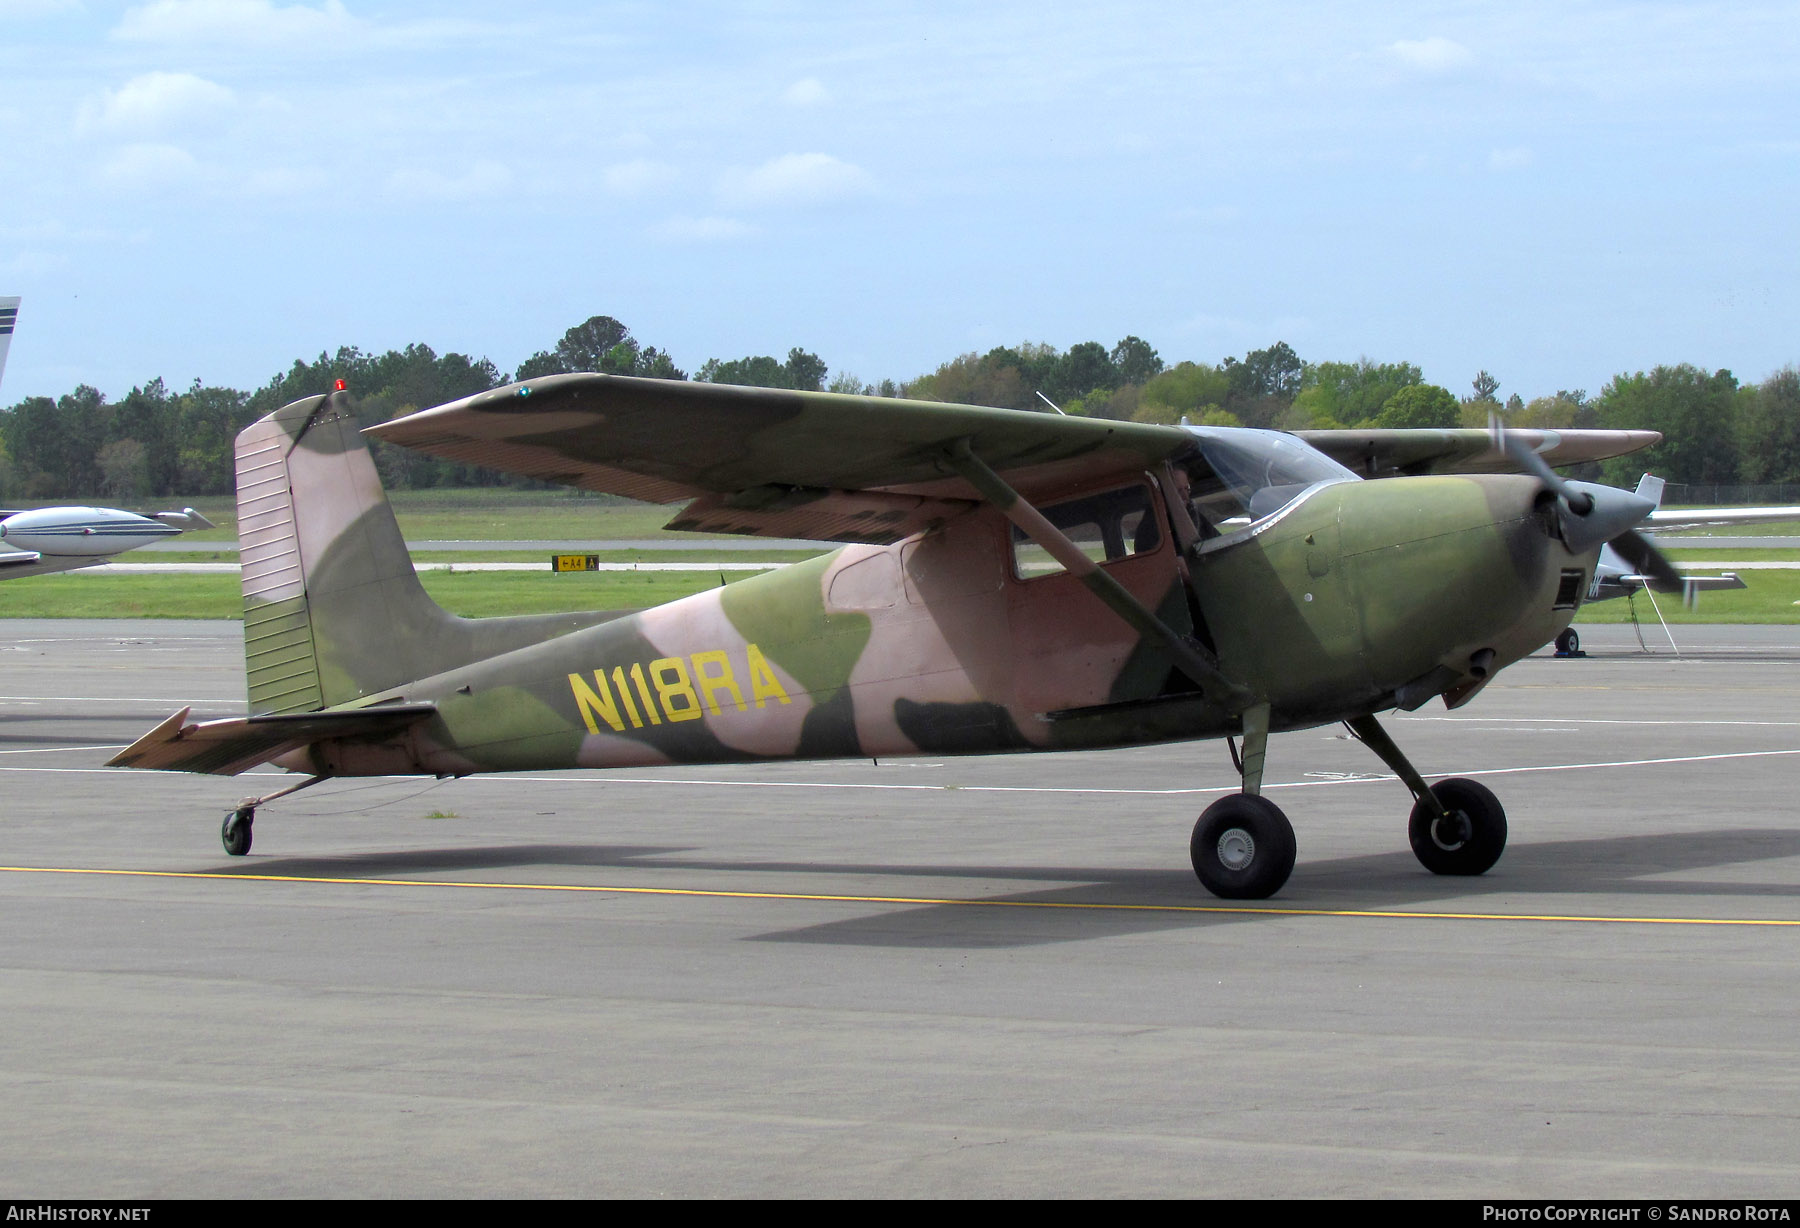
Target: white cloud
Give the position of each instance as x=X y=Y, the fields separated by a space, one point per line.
x=701 y=230
x=797 y=180
x=1436 y=55
x=153 y=102
x=254 y=22
x=638 y=177
x=422 y=183
x=149 y=166
x=807 y=92
x=1516 y=158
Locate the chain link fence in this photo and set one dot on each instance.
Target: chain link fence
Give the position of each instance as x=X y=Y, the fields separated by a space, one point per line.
x=1684 y=495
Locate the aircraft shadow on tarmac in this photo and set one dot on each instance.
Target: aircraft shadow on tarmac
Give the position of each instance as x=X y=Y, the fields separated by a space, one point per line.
x=1130 y=901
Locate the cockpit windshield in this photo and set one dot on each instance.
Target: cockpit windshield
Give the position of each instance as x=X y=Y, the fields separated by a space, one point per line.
x=1250 y=474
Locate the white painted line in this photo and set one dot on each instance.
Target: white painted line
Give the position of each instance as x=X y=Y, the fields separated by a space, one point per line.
x=594 y=776
x=61 y=750
x=1592 y=720
x=234 y=569
x=1736 y=565
x=233 y=701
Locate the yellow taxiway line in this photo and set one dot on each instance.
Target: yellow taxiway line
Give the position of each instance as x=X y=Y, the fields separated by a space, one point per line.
x=826 y=897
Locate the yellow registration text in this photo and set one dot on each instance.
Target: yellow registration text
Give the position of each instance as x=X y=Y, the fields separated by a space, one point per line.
x=674 y=689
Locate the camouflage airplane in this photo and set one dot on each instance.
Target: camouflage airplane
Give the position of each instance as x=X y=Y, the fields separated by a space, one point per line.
x=1014 y=582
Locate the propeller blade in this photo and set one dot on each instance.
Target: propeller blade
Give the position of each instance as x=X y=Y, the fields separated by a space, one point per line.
x=1586 y=514
x=1576 y=501
x=1647 y=560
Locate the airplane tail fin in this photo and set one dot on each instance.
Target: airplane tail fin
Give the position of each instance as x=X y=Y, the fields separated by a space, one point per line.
x=1651 y=488
x=9 y=316
x=333 y=610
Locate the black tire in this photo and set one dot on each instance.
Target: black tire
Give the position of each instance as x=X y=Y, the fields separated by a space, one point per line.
x=1473 y=837
x=1569 y=642
x=1243 y=848
x=235 y=832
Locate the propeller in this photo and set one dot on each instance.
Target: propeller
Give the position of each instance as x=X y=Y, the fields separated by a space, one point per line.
x=1588 y=514
x=1647 y=560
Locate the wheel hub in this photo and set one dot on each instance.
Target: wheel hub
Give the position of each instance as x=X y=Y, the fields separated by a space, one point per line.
x=1452 y=831
x=1237 y=848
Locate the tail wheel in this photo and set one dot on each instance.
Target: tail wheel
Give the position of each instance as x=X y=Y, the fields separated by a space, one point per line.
x=1467 y=840
x=1243 y=848
x=235 y=832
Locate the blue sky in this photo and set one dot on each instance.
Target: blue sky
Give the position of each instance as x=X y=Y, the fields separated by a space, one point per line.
x=1555 y=192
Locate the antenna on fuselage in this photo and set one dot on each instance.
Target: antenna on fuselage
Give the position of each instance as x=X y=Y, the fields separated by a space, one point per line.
x=1052 y=404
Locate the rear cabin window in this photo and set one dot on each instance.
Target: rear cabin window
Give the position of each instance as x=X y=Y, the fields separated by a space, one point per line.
x=1106 y=527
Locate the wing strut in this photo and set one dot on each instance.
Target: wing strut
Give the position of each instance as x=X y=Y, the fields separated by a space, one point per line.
x=1187 y=656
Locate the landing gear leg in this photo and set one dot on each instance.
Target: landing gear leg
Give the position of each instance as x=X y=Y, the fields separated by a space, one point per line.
x=236 y=832
x=1457 y=826
x=1243 y=846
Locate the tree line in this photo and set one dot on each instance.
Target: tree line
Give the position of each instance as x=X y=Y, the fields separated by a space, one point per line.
x=159 y=442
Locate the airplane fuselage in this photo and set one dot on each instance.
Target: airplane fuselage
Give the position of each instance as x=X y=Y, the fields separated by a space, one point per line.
x=81 y=532
x=952 y=643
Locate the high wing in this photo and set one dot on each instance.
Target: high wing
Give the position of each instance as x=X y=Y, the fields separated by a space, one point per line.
x=817 y=465
x=1393 y=453
x=772 y=462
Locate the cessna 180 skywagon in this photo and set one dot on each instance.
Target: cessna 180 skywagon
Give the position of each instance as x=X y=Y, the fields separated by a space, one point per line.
x=1013 y=582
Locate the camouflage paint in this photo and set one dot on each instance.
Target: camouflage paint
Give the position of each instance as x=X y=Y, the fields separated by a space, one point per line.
x=1323 y=611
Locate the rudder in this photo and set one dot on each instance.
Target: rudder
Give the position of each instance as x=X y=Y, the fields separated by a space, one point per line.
x=321 y=553
x=333 y=610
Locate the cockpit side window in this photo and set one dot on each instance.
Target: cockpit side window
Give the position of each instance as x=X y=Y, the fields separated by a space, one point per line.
x=1107 y=527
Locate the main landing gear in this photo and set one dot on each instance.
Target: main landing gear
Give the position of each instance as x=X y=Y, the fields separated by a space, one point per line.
x=236 y=832
x=1243 y=845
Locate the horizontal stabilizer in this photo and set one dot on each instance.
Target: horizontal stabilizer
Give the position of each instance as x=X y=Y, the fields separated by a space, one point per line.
x=227 y=747
x=1712 y=584
x=187 y=520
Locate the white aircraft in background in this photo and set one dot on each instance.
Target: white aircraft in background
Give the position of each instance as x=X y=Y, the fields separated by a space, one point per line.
x=47 y=539
x=1616 y=575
